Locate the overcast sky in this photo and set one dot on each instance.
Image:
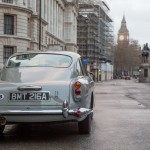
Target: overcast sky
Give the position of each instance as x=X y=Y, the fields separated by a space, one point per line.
x=137 y=14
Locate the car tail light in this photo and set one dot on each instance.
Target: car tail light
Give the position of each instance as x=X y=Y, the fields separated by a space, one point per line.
x=77 y=86
x=78 y=112
x=77 y=91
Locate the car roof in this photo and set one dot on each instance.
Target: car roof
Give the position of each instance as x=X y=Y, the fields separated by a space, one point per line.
x=71 y=54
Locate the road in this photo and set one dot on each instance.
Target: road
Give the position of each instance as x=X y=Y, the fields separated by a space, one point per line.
x=121 y=122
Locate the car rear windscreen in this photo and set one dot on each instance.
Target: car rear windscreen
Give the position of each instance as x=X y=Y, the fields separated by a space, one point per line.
x=40 y=60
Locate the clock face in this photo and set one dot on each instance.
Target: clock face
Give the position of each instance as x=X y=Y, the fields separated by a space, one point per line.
x=121 y=37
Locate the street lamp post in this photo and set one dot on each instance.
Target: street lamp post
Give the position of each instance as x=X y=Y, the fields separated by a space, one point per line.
x=86 y=57
x=87 y=40
x=87 y=21
x=96 y=59
x=97 y=70
x=40 y=23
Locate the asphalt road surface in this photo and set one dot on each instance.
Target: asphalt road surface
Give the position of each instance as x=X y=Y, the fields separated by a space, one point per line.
x=121 y=122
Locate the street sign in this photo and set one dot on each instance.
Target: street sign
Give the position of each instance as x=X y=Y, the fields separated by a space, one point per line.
x=85 y=61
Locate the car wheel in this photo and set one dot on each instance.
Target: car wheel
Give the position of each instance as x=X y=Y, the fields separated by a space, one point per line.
x=92 y=115
x=2 y=127
x=92 y=106
x=85 y=125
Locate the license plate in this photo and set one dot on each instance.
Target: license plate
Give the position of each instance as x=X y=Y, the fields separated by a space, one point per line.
x=29 y=96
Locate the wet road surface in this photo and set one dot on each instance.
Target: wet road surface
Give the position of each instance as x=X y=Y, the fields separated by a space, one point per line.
x=121 y=122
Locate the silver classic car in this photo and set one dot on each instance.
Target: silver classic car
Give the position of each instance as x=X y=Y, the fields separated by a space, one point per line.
x=43 y=87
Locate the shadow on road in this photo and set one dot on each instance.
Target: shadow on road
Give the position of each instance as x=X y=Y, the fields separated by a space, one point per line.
x=31 y=133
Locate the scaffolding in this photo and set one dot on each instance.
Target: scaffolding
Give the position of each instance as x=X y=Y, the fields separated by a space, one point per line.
x=94 y=30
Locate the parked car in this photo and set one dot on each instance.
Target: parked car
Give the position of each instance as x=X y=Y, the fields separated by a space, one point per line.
x=127 y=78
x=39 y=87
x=122 y=77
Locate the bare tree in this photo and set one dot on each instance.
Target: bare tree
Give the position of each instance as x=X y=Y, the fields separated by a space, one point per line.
x=127 y=57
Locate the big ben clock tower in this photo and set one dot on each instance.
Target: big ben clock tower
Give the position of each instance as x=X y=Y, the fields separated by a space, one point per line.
x=123 y=33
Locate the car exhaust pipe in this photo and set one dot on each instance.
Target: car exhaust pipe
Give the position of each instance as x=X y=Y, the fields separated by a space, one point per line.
x=3 y=121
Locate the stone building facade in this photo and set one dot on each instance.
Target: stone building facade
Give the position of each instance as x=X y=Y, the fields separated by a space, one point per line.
x=20 y=25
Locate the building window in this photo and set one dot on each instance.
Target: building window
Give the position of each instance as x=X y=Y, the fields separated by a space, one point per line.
x=38 y=34
x=29 y=27
x=24 y=2
x=145 y=73
x=7 y=1
x=8 y=51
x=46 y=40
x=9 y=24
x=42 y=34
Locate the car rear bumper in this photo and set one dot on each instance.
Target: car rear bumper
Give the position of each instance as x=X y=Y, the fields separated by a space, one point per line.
x=38 y=116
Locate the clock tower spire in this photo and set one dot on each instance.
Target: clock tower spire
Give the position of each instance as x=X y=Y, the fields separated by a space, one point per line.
x=123 y=33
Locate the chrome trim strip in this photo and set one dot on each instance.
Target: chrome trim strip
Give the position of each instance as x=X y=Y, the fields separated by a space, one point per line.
x=30 y=112
x=83 y=111
x=29 y=88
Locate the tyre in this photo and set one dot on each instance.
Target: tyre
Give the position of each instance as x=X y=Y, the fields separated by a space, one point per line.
x=85 y=125
x=2 y=127
x=92 y=112
x=92 y=115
